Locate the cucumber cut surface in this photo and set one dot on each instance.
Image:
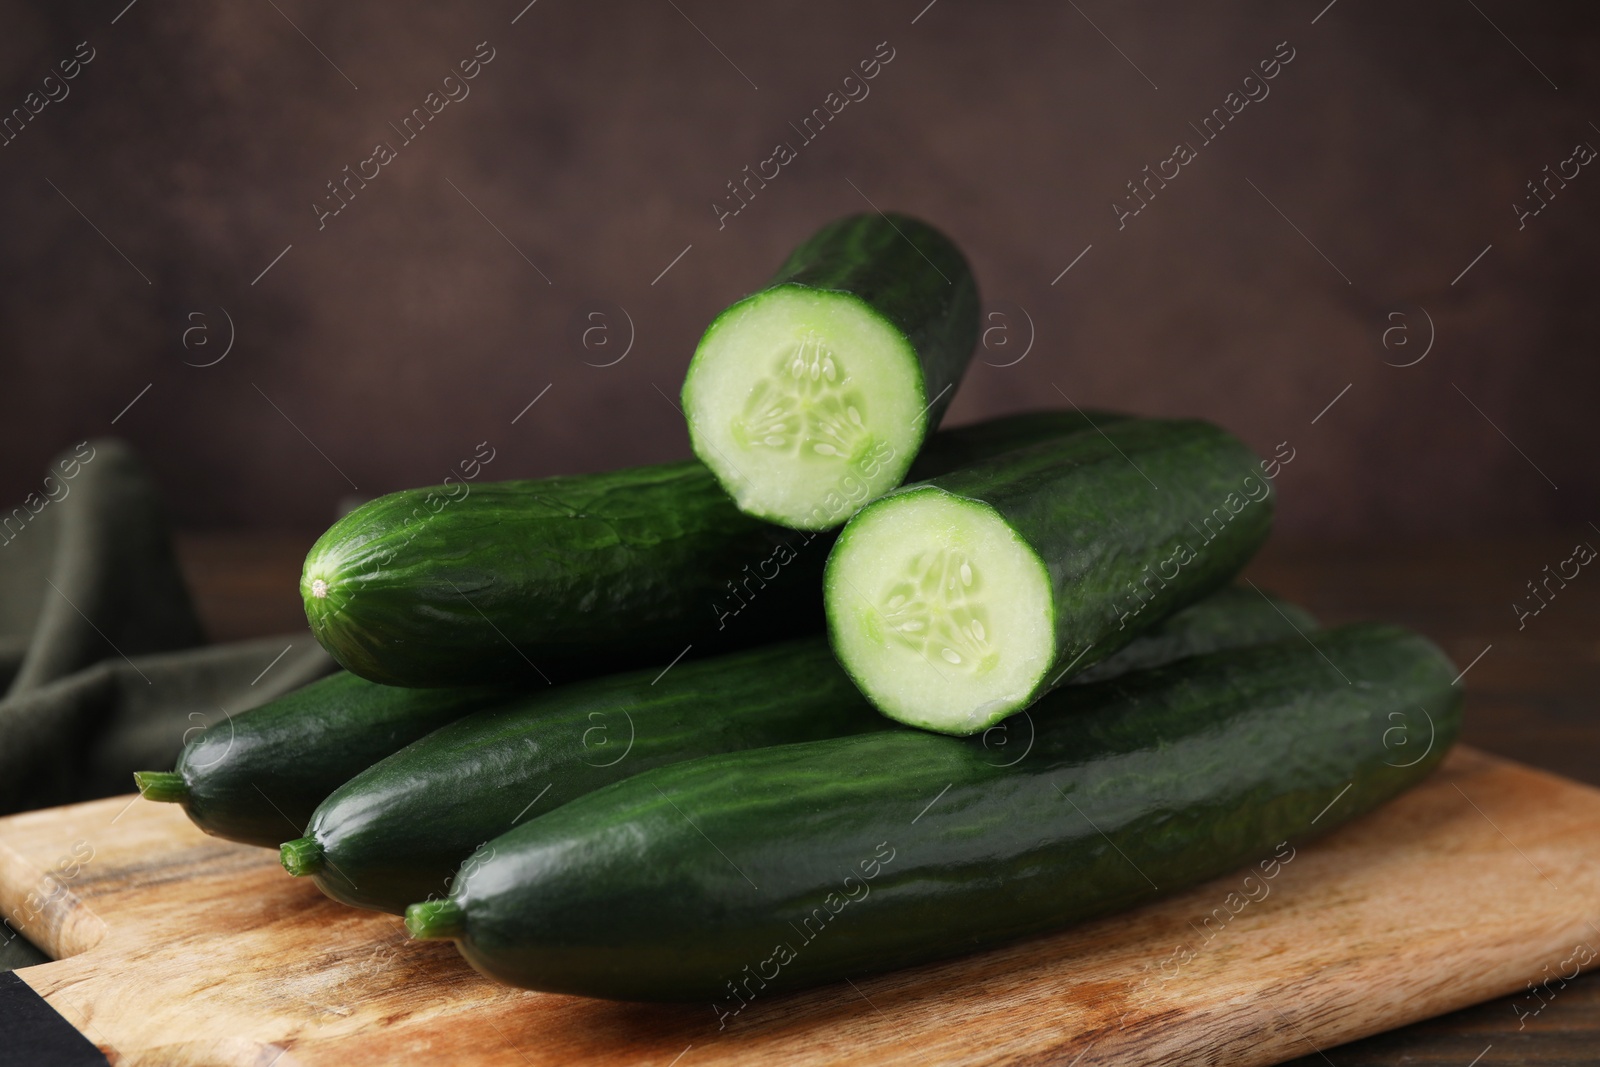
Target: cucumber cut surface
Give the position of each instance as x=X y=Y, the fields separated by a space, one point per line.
x=812 y=396
x=952 y=609
x=957 y=601
x=806 y=404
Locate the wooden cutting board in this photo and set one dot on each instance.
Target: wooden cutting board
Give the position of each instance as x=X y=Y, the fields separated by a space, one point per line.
x=176 y=948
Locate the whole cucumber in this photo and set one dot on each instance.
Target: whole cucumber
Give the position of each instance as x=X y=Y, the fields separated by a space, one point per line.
x=565 y=578
x=256 y=777
x=743 y=875
x=396 y=832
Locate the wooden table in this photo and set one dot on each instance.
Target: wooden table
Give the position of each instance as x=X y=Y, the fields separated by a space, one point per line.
x=1530 y=696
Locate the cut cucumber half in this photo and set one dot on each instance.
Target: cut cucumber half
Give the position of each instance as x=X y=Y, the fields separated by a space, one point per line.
x=813 y=396
x=806 y=404
x=958 y=601
x=941 y=603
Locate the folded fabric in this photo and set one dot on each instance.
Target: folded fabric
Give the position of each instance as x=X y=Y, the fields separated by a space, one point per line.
x=84 y=735
x=103 y=661
x=87 y=570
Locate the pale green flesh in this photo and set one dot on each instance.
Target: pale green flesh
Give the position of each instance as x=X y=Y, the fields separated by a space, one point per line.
x=939 y=611
x=806 y=404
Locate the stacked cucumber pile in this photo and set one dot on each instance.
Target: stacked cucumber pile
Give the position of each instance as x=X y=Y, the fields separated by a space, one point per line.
x=844 y=694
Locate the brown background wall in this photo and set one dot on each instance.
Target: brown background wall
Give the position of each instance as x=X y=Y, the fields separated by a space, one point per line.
x=408 y=330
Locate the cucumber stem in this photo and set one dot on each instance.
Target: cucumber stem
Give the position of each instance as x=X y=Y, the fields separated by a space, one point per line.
x=434 y=919
x=168 y=787
x=302 y=856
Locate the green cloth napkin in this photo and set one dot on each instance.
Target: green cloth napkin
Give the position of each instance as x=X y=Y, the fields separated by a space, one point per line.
x=103 y=663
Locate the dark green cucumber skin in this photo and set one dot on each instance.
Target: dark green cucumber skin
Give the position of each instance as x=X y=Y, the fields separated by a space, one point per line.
x=397 y=831
x=909 y=273
x=256 y=777
x=1105 y=510
x=943 y=846
x=560 y=578
x=565 y=578
x=961 y=446
x=1232 y=617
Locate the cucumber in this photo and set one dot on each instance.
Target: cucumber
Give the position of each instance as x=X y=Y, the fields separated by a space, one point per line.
x=814 y=394
x=396 y=832
x=957 y=601
x=961 y=446
x=1232 y=617
x=256 y=777
x=743 y=875
x=565 y=578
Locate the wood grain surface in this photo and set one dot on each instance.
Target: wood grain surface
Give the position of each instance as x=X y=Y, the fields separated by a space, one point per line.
x=176 y=948
x=1529 y=697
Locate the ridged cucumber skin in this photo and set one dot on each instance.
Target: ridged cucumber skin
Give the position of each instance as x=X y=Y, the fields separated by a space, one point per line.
x=396 y=832
x=562 y=578
x=1104 y=512
x=578 y=576
x=906 y=272
x=955 y=447
x=1232 y=617
x=911 y=274
x=839 y=858
x=256 y=777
